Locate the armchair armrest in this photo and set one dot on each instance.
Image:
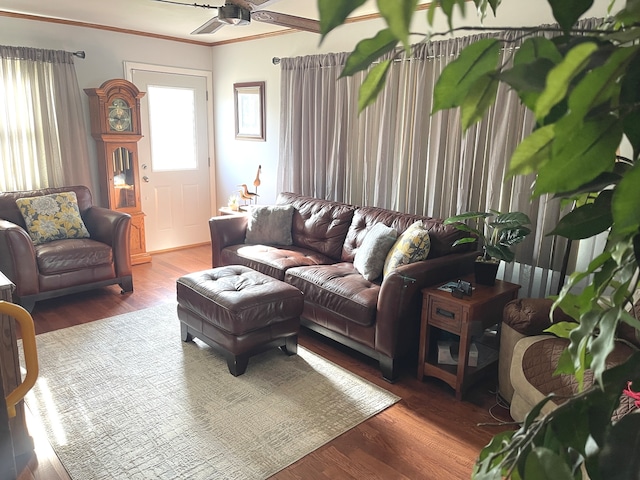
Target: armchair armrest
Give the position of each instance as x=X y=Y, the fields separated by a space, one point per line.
x=399 y=301
x=18 y=258
x=114 y=229
x=530 y=316
x=226 y=230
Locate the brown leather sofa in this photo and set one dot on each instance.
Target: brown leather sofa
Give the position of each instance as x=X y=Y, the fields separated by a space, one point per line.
x=379 y=318
x=61 y=267
x=529 y=357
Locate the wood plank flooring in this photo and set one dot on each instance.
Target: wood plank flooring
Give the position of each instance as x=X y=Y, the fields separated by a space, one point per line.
x=427 y=435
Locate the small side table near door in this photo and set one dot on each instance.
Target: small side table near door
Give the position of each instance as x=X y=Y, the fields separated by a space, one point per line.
x=441 y=312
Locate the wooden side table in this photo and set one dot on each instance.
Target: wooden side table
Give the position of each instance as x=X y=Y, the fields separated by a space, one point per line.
x=441 y=312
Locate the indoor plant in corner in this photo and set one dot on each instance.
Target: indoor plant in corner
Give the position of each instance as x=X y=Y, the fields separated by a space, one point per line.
x=582 y=87
x=504 y=230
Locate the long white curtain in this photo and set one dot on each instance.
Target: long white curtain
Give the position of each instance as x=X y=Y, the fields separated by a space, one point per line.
x=43 y=138
x=397 y=155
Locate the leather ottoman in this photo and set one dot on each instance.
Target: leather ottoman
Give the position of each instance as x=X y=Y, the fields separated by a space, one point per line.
x=240 y=312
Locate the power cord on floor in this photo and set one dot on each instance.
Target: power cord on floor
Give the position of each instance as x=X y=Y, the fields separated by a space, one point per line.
x=500 y=403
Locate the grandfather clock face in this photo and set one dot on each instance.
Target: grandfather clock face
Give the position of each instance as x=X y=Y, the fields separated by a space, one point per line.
x=120 y=116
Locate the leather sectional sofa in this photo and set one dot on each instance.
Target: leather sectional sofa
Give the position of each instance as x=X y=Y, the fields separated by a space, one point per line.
x=379 y=318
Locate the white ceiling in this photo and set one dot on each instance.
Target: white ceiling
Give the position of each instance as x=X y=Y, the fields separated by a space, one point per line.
x=152 y=17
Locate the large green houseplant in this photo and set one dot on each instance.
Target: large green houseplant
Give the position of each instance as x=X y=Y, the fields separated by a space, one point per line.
x=582 y=87
x=499 y=233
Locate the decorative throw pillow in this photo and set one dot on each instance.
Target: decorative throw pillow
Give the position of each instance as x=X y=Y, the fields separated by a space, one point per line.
x=371 y=255
x=412 y=246
x=270 y=225
x=52 y=217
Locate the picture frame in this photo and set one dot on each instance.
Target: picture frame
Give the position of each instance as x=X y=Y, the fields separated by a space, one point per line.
x=250 y=114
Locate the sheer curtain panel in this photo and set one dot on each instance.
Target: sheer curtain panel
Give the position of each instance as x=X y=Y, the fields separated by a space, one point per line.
x=397 y=155
x=43 y=137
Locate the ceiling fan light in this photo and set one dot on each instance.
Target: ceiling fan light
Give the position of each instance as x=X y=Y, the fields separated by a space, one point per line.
x=234 y=15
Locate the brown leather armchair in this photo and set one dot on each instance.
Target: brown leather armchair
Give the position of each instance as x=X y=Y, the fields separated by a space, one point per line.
x=62 y=267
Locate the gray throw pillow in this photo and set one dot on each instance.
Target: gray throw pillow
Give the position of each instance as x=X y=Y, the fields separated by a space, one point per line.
x=370 y=257
x=270 y=225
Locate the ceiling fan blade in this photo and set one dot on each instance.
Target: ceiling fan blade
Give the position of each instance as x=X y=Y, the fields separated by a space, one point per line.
x=201 y=5
x=284 y=20
x=211 y=26
x=253 y=5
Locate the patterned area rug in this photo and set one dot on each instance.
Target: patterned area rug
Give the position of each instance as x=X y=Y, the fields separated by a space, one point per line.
x=125 y=398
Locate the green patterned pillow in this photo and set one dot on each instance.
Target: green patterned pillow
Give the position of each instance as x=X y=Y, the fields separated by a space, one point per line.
x=412 y=246
x=52 y=217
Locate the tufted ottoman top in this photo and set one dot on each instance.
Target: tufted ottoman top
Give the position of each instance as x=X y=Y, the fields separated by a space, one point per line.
x=237 y=299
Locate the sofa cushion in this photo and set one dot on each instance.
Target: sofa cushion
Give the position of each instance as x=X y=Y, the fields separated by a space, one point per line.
x=272 y=261
x=9 y=209
x=541 y=359
x=372 y=254
x=69 y=255
x=269 y=225
x=442 y=236
x=338 y=288
x=318 y=225
x=52 y=217
x=412 y=246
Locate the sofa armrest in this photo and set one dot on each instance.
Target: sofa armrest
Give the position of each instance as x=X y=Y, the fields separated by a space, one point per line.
x=18 y=258
x=114 y=229
x=531 y=316
x=399 y=295
x=226 y=230
x=525 y=395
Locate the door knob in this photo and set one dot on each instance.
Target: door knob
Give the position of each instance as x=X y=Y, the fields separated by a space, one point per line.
x=146 y=179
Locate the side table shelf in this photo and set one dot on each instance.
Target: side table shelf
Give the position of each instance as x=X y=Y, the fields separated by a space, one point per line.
x=461 y=318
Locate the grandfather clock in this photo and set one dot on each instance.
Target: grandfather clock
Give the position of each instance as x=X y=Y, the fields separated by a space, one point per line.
x=115 y=125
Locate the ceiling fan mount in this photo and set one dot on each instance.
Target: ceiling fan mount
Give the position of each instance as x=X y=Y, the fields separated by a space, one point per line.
x=232 y=14
x=241 y=12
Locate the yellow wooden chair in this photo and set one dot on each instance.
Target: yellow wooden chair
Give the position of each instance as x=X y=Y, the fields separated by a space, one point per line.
x=25 y=321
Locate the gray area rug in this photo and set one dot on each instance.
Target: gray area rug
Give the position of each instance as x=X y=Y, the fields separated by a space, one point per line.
x=125 y=398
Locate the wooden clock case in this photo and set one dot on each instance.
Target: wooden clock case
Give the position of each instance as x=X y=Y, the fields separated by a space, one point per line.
x=118 y=156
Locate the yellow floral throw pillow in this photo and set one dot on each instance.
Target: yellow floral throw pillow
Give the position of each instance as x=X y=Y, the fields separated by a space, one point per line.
x=412 y=246
x=52 y=217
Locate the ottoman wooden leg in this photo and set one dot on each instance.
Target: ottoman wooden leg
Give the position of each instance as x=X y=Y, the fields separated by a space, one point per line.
x=184 y=333
x=237 y=363
x=291 y=345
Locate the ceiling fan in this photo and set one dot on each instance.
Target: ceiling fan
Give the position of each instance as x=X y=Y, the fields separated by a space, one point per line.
x=241 y=12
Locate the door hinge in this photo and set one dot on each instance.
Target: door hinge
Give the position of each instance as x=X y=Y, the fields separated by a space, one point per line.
x=206 y=95
x=209 y=161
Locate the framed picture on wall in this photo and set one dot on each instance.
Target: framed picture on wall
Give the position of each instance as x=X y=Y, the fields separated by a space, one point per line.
x=250 y=112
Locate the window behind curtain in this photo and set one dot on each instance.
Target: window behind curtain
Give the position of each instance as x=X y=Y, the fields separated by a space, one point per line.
x=396 y=155
x=43 y=137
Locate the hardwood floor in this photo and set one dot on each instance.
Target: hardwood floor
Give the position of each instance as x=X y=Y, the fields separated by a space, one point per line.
x=427 y=435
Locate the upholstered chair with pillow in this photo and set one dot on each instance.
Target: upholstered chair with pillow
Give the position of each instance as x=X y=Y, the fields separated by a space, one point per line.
x=55 y=242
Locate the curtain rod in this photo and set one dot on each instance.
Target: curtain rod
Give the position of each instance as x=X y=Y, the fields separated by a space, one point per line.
x=79 y=54
x=275 y=60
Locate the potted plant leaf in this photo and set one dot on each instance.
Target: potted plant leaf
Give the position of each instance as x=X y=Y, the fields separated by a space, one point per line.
x=233 y=203
x=503 y=231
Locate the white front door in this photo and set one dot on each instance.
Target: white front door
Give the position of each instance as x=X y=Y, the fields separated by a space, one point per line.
x=174 y=159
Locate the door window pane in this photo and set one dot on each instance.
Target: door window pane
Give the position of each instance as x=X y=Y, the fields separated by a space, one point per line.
x=172 y=125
